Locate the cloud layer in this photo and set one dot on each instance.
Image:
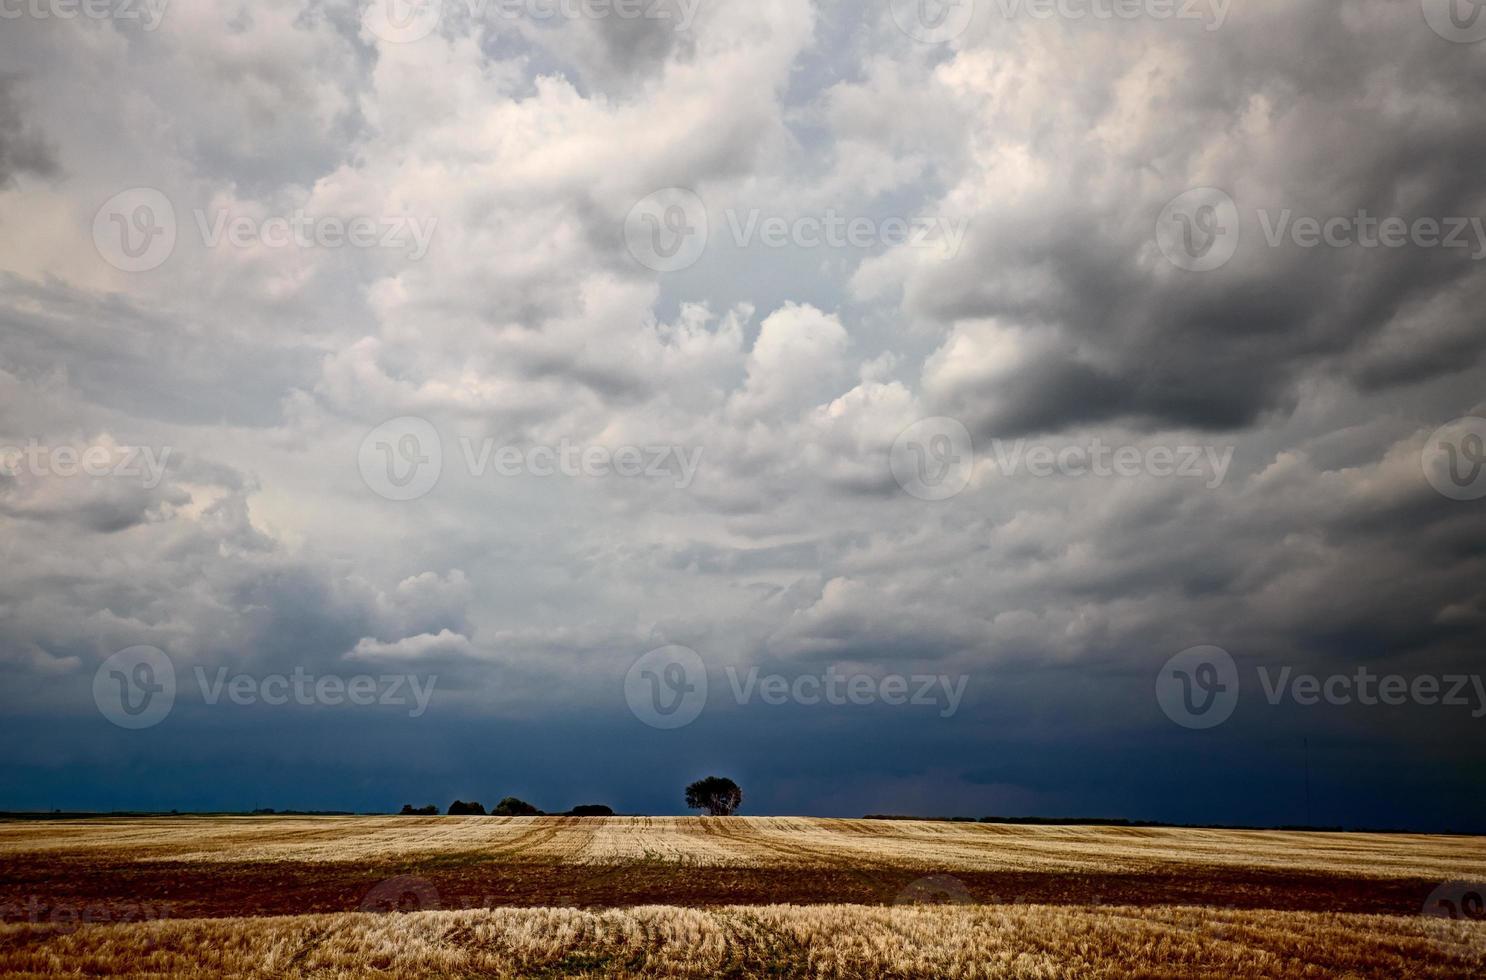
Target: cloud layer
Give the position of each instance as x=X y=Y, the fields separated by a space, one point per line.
x=257 y=371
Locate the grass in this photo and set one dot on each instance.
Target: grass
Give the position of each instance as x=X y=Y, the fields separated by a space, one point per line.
x=741 y=842
x=836 y=941
x=197 y=897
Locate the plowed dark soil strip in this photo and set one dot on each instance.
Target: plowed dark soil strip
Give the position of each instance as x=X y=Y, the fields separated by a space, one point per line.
x=44 y=889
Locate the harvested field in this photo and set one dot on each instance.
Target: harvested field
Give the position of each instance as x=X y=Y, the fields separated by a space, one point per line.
x=702 y=897
x=741 y=842
x=247 y=866
x=836 y=941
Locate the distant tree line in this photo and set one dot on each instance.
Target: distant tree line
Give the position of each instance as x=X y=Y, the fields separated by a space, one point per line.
x=718 y=795
x=508 y=807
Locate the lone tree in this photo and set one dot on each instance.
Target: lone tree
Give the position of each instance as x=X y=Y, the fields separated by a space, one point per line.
x=459 y=808
x=718 y=795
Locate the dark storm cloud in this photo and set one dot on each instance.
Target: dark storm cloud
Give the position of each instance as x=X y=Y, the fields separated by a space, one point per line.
x=636 y=46
x=23 y=148
x=1327 y=133
x=609 y=53
x=107 y=510
x=269 y=546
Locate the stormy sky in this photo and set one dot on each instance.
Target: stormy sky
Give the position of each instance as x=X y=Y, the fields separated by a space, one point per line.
x=790 y=334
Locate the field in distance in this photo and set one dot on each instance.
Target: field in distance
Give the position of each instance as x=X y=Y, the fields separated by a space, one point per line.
x=178 y=897
x=233 y=866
